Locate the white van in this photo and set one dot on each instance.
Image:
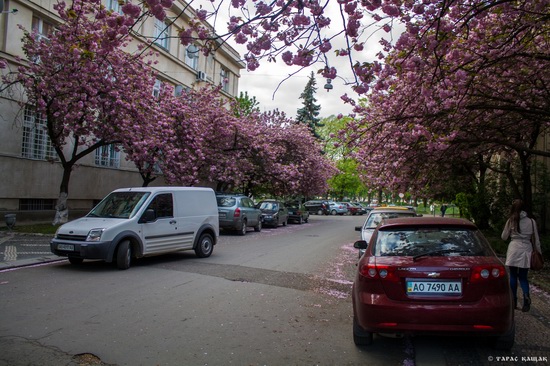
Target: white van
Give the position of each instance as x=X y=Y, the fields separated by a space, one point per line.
x=139 y=222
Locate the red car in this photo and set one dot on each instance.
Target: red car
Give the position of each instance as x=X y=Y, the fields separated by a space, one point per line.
x=431 y=275
x=353 y=209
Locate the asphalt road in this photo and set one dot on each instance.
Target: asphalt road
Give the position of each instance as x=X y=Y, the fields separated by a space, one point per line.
x=279 y=297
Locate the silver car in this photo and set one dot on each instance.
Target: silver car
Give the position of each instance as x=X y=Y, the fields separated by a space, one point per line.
x=376 y=216
x=237 y=212
x=337 y=208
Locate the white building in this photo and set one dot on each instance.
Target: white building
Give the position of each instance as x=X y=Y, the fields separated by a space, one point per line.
x=29 y=174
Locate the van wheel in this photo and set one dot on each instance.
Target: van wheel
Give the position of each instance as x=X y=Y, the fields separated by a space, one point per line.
x=320 y=212
x=75 y=260
x=124 y=255
x=205 y=246
x=243 y=228
x=258 y=227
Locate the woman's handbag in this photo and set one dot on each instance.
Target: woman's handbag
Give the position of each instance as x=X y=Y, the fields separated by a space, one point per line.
x=537 y=262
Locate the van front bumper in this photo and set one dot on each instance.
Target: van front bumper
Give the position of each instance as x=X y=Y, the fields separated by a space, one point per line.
x=81 y=249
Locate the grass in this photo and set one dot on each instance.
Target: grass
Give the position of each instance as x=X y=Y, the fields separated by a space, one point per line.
x=46 y=229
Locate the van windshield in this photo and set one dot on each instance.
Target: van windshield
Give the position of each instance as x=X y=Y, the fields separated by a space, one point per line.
x=120 y=205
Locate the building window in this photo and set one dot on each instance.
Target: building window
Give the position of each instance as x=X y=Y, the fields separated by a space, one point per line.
x=36 y=204
x=162 y=34
x=157 y=88
x=224 y=79
x=107 y=156
x=192 y=56
x=179 y=90
x=42 y=28
x=36 y=143
x=114 y=5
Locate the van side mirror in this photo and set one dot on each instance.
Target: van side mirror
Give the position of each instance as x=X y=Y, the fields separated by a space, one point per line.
x=358 y=228
x=360 y=244
x=148 y=216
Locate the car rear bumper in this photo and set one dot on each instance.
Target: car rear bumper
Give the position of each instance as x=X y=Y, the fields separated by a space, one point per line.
x=489 y=316
x=230 y=224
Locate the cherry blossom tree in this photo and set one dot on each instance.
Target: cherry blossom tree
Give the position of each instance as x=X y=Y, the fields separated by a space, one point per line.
x=447 y=53
x=91 y=92
x=458 y=95
x=292 y=162
x=201 y=139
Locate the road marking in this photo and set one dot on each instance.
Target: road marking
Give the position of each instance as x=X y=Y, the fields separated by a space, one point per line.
x=10 y=253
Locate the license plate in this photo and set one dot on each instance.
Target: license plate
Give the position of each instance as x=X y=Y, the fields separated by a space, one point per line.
x=68 y=247
x=434 y=287
x=222 y=215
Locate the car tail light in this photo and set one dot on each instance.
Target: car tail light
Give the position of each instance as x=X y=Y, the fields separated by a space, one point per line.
x=237 y=212
x=487 y=272
x=372 y=271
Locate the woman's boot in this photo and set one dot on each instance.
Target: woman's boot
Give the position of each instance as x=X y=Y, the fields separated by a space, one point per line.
x=526 y=303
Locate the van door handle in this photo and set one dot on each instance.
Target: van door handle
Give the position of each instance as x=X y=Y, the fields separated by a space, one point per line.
x=173 y=222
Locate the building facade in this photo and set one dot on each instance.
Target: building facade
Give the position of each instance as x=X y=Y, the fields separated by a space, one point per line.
x=29 y=169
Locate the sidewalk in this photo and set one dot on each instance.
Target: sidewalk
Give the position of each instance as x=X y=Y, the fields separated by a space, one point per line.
x=18 y=250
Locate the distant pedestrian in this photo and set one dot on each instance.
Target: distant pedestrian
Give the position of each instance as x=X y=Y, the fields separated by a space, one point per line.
x=519 y=228
x=432 y=209
x=443 y=209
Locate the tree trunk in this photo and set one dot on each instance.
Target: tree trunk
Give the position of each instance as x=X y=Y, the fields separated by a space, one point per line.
x=62 y=208
x=527 y=183
x=147 y=178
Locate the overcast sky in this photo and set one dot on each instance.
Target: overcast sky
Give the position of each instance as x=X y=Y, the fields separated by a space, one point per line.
x=272 y=88
x=272 y=91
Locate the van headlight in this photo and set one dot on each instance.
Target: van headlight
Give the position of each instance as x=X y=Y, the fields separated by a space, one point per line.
x=95 y=235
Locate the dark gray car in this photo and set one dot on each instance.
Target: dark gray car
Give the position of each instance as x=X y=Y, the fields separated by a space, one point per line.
x=274 y=213
x=237 y=212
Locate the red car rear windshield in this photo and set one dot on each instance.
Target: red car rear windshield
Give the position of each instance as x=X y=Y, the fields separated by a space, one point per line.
x=431 y=241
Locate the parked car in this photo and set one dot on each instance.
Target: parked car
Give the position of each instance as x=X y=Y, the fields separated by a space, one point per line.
x=317 y=207
x=366 y=208
x=336 y=208
x=140 y=222
x=353 y=209
x=237 y=212
x=376 y=216
x=297 y=212
x=432 y=276
x=274 y=213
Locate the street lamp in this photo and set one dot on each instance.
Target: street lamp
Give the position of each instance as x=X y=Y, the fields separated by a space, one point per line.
x=328 y=85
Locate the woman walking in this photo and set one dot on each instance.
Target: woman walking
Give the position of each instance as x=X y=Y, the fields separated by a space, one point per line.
x=519 y=228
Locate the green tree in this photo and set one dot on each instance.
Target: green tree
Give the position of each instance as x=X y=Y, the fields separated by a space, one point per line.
x=309 y=113
x=346 y=183
x=245 y=105
x=328 y=131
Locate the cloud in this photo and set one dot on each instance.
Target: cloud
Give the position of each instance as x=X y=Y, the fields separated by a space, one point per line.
x=272 y=91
